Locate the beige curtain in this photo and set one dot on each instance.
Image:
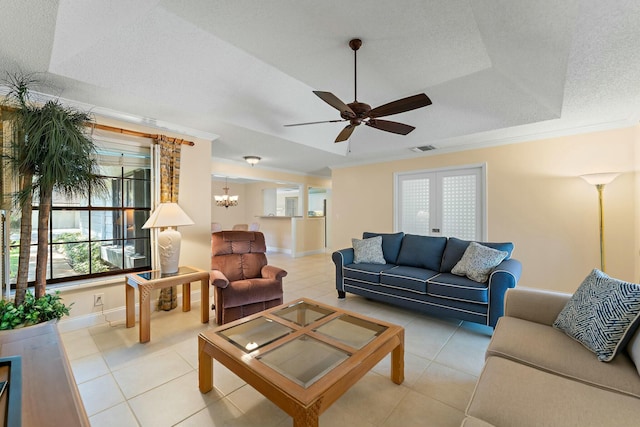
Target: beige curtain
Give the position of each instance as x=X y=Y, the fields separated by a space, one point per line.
x=169 y=184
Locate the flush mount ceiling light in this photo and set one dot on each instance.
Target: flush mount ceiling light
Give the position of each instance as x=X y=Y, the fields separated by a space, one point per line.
x=252 y=160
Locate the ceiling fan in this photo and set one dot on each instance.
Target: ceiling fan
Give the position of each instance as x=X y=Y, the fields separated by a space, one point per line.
x=357 y=113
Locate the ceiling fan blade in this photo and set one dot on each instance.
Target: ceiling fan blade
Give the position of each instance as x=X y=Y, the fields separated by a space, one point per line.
x=335 y=102
x=401 y=105
x=393 y=127
x=346 y=133
x=315 y=123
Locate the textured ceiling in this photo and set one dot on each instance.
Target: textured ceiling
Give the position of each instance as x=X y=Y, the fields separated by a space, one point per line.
x=237 y=71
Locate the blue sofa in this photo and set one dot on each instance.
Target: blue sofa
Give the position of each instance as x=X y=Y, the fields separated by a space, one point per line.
x=417 y=275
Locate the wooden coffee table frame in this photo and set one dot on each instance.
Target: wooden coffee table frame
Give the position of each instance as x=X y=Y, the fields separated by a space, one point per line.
x=135 y=281
x=303 y=404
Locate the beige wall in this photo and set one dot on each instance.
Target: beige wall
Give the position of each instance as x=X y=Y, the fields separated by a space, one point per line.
x=535 y=199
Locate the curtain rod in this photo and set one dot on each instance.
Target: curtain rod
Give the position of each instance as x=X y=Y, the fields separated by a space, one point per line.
x=136 y=133
x=119 y=130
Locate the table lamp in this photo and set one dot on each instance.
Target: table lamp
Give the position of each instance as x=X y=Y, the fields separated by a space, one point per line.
x=168 y=215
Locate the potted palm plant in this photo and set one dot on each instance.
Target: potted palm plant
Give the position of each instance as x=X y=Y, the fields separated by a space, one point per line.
x=50 y=149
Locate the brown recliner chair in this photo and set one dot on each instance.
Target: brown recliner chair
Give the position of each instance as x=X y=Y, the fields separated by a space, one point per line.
x=243 y=282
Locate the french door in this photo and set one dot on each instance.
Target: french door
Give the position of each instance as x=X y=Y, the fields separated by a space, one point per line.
x=444 y=202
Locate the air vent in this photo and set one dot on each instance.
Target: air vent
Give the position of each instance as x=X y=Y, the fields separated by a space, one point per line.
x=423 y=148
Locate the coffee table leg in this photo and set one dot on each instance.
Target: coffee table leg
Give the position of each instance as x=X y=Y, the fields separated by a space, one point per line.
x=205 y=368
x=397 y=361
x=307 y=417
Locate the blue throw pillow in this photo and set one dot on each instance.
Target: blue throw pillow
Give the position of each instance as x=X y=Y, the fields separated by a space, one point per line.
x=422 y=251
x=456 y=247
x=602 y=314
x=390 y=244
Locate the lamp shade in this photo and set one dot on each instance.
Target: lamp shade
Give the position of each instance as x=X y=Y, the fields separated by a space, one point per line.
x=600 y=178
x=168 y=215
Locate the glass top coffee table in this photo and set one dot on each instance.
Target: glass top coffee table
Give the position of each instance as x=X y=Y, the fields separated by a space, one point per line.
x=302 y=355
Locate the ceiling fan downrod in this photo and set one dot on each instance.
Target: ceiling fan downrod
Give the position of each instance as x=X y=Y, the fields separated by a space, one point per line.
x=355 y=45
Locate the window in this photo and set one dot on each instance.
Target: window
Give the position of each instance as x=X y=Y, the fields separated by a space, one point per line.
x=101 y=233
x=448 y=202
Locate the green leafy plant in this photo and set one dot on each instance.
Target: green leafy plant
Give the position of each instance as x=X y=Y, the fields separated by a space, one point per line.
x=77 y=254
x=51 y=149
x=32 y=311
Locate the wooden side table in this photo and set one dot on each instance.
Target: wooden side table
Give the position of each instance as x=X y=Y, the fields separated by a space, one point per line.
x=146 y=281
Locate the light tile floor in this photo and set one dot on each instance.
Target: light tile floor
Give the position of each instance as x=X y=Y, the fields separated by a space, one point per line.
x=124 y=383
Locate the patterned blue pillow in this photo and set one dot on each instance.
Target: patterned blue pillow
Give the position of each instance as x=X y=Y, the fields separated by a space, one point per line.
x=478 y=261
x=368 y=251
x=602 y=314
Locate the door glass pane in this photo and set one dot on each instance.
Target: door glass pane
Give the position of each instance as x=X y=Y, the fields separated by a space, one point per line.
x=459 y=207
x=415 y=206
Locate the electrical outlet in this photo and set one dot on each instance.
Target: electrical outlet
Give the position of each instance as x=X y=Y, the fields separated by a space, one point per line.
x=98 y=300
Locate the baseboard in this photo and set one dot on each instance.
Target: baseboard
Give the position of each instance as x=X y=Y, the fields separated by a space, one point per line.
x=279 y=250
x=314 y=252
x=117 y=314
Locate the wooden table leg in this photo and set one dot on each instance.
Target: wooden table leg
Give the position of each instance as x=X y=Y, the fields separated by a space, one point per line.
x=307 y=417
x=130 y=305
x=205 y=368
x=397 y=361
x=145 y=314
x=204 y=300
x=186 y=297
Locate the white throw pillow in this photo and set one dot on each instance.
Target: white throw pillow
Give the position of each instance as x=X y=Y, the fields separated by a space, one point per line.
x=368 y=251
x=478 y=261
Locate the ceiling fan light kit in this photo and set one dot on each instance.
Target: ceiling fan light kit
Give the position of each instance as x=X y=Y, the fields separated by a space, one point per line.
x=357 y=113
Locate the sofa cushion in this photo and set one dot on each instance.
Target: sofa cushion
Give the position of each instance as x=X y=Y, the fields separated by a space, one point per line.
x=478 y=261
x=602 y=314
x=633 y=348
x=407 y=278
x=391 y=243
x=475 y=422
x=513 y=394
x=422 y=251
x=447 y=285
x=368 y=251
x=549 y=349
x=455 y=249
x=365 y=272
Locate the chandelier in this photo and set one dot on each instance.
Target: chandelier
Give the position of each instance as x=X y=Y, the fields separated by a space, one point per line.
x=226 y=200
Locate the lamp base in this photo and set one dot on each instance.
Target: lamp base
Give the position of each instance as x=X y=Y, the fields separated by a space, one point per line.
x=169 y=250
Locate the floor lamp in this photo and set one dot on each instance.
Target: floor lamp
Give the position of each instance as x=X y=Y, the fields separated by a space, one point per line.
x=600 y=180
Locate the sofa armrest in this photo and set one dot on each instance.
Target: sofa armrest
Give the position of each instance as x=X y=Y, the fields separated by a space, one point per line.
x=535 y=305
x=272 y=272
x=341 y=258
x=218 y=279
x=504 y=276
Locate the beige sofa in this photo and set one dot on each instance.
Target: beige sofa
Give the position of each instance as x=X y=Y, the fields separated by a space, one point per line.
x=535 y=375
